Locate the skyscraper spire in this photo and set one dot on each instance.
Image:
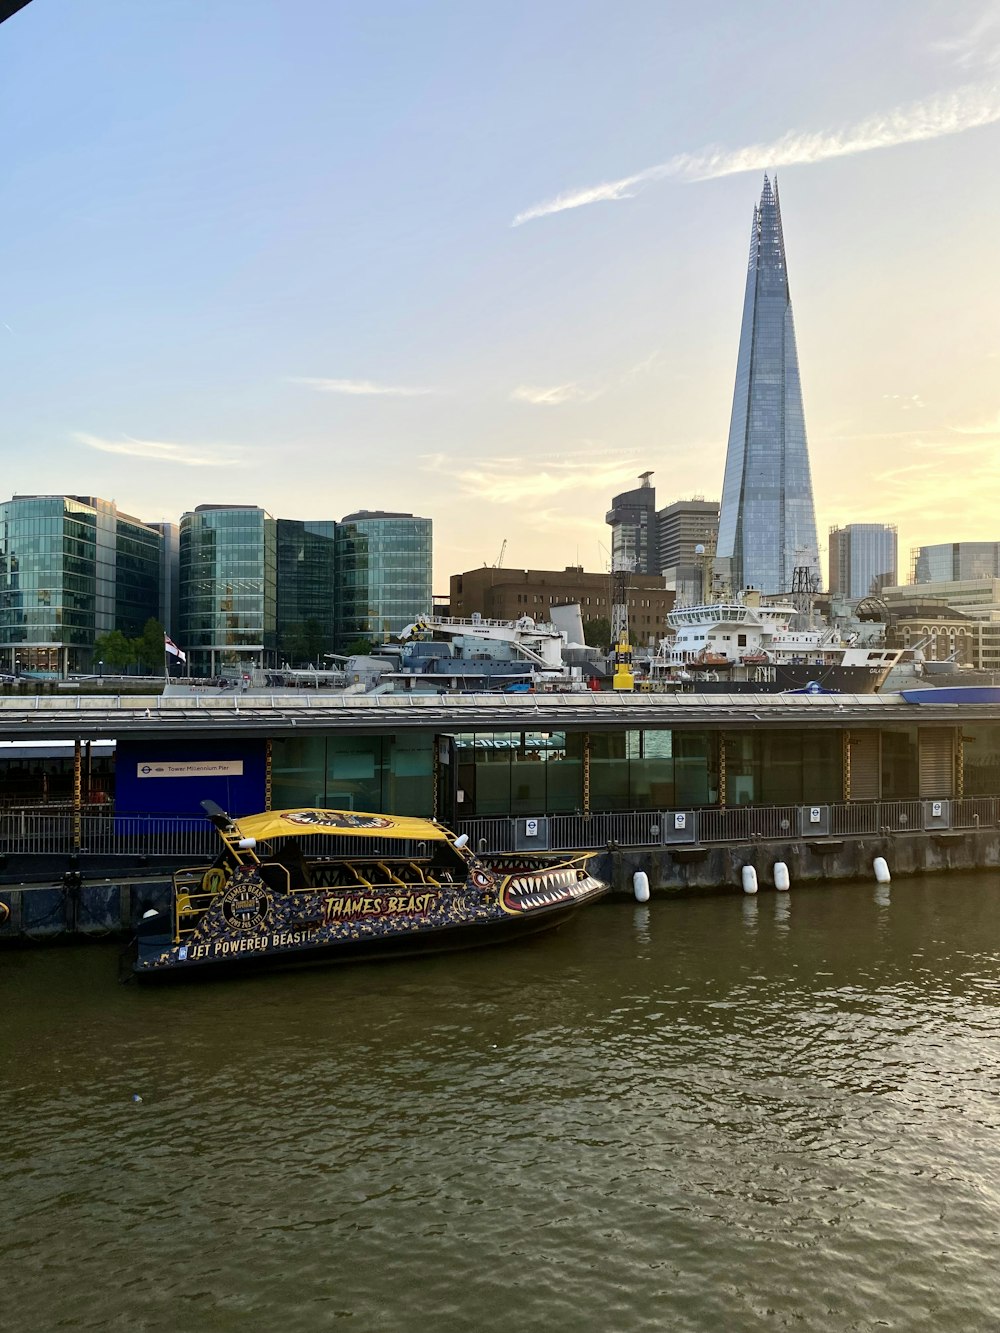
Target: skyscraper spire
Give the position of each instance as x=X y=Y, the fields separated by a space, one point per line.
x=767 y=523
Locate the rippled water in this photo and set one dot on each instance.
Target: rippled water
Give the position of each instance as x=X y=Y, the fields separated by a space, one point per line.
x=726 y=1114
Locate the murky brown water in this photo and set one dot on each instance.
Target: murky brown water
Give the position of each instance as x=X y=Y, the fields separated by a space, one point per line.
x=728 y=1114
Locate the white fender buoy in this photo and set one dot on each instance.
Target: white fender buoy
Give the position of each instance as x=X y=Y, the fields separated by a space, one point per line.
x=781 y=878
x=640 y=886
x=749 y=877
x=881 y=868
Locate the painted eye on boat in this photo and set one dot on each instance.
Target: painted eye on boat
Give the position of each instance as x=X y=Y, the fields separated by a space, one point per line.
x=481 y=879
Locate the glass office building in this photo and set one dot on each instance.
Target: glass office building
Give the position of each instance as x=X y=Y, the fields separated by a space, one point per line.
x=632 y=519
x=228 y=588
x=383 y=574
x=767 y=524
x=71 y=568
x=862 y=559
x=948 y=562
x=306 y=590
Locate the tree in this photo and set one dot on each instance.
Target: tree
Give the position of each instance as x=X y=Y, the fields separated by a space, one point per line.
x=304 y=642
x=597 y=632
x=114 y=650
x=359 y=648
x=149 y=647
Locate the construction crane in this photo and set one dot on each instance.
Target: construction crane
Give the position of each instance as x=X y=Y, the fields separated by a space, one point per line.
x=503 y=549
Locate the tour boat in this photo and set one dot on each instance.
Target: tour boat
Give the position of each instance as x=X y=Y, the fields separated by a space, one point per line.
x=748 y=645
x=311 y=885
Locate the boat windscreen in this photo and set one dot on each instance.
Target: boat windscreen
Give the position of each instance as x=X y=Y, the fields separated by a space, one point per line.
x=340 y=823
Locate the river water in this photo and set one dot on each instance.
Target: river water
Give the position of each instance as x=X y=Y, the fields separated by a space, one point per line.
x=714 y=1114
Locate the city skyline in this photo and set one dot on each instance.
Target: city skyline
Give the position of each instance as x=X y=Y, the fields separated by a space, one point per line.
x=264 y=256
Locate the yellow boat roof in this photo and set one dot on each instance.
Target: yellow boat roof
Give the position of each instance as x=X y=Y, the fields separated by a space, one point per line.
x=341 y=823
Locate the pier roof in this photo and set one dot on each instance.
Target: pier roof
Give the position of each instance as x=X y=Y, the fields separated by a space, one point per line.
x=46 y=717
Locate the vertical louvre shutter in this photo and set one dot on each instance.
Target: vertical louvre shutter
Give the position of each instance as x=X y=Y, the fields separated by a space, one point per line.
x=866 y=778
x=937 y=763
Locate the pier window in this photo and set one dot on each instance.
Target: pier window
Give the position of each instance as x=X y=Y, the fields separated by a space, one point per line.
x=783 y=767
x=981 y=759
x=520 y=773
x=900 y=767
x=378 y=773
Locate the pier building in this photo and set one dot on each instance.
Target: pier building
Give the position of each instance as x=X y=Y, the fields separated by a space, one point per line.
x=687 y=788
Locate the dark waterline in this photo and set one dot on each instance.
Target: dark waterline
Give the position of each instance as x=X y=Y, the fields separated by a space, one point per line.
x=725 y=1114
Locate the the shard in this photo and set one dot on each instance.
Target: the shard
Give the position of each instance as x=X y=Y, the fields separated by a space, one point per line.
x=767 y=524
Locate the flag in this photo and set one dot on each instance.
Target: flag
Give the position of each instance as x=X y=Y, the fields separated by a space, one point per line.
x=170 y=647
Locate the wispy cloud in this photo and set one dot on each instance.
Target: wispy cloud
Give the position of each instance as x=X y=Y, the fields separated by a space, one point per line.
x=989 y=428
x=905 y=401
x=553 y=396
x=160 y=451
x=362 y=388
x=979 y=46
x=516 y=480
x=962 y=109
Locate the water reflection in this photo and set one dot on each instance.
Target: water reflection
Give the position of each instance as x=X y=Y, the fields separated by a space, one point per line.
x=682 y=1115
x=782 y=911
x=641 y=925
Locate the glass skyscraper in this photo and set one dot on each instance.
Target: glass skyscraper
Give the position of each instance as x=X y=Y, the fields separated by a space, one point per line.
x=306 y=589
x=862 y=559
x=383 y=574
x=767 y=524
x=71 y=568
x=632 y=518
x=228 y=588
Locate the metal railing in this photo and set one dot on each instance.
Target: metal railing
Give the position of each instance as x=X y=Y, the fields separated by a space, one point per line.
x=848 y=820
x=975 y=812
x=99 y=830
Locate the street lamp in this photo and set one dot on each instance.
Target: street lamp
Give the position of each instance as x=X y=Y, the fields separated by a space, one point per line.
x=100 y=669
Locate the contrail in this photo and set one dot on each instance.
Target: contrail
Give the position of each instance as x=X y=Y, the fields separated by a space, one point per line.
x=965 y=108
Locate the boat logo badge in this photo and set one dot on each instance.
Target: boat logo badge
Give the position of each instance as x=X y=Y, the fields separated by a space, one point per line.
x=246 y=903
x=337 y=819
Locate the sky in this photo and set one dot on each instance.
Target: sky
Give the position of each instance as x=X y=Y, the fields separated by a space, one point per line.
x=484 y=262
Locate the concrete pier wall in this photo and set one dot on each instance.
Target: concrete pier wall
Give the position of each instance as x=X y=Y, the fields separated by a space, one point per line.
x=683 y=871
x=44 y=913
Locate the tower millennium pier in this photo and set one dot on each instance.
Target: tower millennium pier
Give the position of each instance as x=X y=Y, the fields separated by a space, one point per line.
x=767 y=523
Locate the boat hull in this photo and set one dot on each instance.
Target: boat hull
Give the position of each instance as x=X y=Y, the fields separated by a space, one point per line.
x=249 y=927
x=779 y=679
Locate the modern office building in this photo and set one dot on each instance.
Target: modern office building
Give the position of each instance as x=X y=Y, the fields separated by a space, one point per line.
x=863 y=559
x=383 y=574
x=683 y=527
x=306 y=621
x=509 y=594
x=956 y=561
x=71 y=568
x=767 y=523
x=228 y=588
x=632 y=518
x=170 y=576
x=686 y=532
